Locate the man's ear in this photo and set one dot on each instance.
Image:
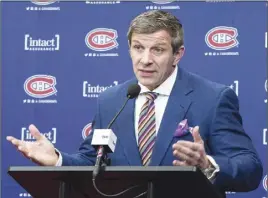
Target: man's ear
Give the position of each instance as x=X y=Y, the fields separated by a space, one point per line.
x=178 y=55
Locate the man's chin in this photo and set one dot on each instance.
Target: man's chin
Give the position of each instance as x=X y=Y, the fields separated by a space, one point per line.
x=149 y=85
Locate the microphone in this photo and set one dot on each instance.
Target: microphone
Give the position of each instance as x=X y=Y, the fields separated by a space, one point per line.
x=104 y=140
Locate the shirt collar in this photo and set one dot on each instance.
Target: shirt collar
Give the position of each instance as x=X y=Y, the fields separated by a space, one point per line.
x=166 y=87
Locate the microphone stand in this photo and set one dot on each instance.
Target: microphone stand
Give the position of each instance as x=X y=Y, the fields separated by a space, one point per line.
x=105 y=160
x=102 y=157
x=101 y=162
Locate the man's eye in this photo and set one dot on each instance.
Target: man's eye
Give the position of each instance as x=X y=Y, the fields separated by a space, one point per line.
x=158 y=50
x=137 y=46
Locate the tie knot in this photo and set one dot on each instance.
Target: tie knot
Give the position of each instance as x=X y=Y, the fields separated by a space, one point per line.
x=151 y=95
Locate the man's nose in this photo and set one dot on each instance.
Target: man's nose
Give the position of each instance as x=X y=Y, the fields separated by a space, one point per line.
x=146 y=58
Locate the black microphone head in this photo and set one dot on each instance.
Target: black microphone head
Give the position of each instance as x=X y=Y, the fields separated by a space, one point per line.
x=133 y=91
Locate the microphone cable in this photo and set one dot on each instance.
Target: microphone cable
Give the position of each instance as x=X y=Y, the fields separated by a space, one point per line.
x=117 y=194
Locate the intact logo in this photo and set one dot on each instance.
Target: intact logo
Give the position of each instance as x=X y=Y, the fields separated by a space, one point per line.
x=264 y=139
x=50 y=135
x=100 y=40
x=39 y=44
x=264 y=182
x=161 y=5
x=265 y=87
x=93 y=91
x=87 y=130
x=43 y=5
x=40 y=86
x=235 y=86
x=222 y=38
x=111 y=2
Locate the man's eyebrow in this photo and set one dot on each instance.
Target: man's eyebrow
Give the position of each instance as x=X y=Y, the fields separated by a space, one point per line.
x=161 y=43
x=136 y=41
x=156 y=44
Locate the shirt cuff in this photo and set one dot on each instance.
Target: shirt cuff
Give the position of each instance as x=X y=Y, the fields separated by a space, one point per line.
x=59 y=162
x=212 y=175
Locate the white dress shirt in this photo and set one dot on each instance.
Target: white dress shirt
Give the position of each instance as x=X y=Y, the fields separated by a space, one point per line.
x=163 y=91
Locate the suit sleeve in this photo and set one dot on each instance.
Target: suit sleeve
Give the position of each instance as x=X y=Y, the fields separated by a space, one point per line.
x=86 y=154
x=232 y=149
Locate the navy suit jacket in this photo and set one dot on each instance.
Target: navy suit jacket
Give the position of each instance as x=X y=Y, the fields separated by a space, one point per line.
x=211 y=106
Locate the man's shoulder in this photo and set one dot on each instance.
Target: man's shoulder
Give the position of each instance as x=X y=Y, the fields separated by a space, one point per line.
x=205 y=86
x=198 y=80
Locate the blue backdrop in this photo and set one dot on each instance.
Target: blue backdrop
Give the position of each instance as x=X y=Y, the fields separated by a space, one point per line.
x=58 y=56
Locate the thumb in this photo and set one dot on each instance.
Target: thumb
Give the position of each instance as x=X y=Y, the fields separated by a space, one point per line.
x=35 y=132
x=196 y=135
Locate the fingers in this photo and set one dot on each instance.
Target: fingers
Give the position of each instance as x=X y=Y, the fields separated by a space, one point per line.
x=196 y=135
x=15 y=141
x=24 y=151
x=35 y=132
x=191 y=153
x=191 y=145
x=21 y=145
x=180 y=163
x=189 y=156
x=186 y=153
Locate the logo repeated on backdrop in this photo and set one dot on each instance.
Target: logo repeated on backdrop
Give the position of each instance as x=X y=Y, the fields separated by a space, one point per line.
x=101 y=40
x=265 y=87
x=235 y=86
x=222 y=38
x=264 y=139
x=265 y=40
x=111 y=2
x=40 y=86
x=162 y=5
x=264 y=182
x=43 y=5
x=93 y=91
x=87 y=130
x=38 y=44
x=50 y=135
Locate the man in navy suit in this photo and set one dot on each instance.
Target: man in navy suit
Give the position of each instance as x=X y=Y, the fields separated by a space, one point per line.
x=179 y=118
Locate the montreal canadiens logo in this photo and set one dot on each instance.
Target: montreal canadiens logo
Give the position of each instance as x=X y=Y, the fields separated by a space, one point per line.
x=161 y=1
x=265 y=182
x=40 y=86
x=86 y=130
x=43 y=2
x=101 y=39
x=222 y=38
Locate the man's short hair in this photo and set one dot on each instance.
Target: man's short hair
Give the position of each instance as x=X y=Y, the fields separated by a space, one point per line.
x=156 y=20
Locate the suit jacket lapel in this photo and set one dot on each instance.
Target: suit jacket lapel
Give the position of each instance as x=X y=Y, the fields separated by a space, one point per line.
x=126 y=133
x=176 y=109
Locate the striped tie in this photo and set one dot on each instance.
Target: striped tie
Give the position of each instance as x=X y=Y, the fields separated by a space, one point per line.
x=147 y=128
